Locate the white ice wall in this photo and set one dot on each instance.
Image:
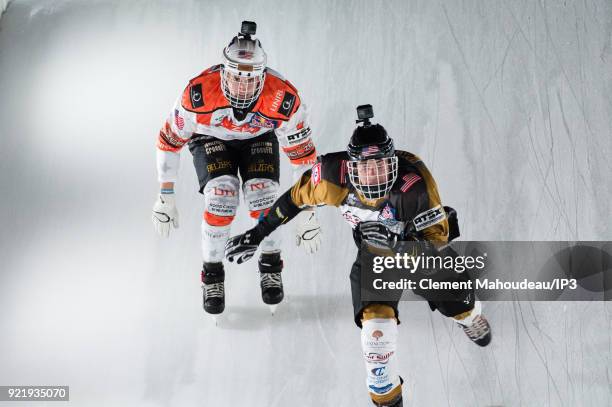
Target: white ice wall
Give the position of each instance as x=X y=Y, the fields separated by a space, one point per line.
x=508 y=102
x=3 y=5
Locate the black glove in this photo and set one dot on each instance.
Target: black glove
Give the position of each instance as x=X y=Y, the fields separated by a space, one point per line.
x=243 y=247
x=376 y=233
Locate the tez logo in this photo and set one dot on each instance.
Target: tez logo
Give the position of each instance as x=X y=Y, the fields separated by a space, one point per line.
x=377 y=334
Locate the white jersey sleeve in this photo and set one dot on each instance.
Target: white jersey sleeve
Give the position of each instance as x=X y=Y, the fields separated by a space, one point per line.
x=175 y=133
x=296 y=141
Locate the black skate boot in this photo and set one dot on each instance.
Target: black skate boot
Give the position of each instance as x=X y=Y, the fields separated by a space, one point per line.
x=397 y=402
x=270 y=267
x=479 y=332
x=213 y=290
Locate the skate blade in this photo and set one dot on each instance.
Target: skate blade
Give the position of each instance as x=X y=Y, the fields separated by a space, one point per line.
x=215 y=319
x=273 y=309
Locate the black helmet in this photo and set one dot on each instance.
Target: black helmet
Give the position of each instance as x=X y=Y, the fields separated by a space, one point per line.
x=369 y=140
x=371 y=146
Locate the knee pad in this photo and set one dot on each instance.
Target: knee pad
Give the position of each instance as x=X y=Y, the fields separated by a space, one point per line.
x=379 y=344
x=260 y=194
x=221 y=200
x=466 y=318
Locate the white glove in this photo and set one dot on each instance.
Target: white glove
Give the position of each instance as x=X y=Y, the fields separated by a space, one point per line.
x=164 y=214
x=308 y=231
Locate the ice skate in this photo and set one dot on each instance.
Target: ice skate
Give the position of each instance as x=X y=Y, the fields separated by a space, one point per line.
x=479 y=332
x=213 y=290
x=270 y=266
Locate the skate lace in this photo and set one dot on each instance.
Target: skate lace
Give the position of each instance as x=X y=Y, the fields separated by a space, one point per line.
x=271 y=280
x=478 y=329
x=213 y=290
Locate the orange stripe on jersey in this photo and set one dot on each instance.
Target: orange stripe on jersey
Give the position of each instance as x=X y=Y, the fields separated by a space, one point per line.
x=169 y=140
x=216 y=220
x=303 y=153
x=309 y=159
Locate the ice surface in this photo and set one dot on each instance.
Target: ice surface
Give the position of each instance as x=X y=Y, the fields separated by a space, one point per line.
x=508 y=102
x=3 y=5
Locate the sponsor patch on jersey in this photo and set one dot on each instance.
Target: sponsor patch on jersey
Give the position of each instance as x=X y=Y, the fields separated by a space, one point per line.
x=197 y=99
x=260 y=121
x=315 y=176
x=300 y=151
x=387 y=215
x=409 y=181
x=286 y=105
x=428 y=218
x=300 y=135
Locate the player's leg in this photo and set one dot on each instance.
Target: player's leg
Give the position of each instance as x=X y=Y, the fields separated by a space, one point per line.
x=216 y=166
x=378 y=322
x=259 y=170
x=465 y=309
x=468 y=316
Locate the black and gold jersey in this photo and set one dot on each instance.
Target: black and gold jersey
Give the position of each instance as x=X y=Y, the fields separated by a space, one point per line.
x=413 y=205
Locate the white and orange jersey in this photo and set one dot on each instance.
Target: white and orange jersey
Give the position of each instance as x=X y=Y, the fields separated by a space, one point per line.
x=203 y=110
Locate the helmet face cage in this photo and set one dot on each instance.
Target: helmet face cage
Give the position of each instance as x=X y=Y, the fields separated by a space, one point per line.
x=373 y=178
x=244 y=71
x=241 y=89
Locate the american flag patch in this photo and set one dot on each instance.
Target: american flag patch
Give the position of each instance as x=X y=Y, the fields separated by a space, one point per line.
x=316 y=174
x=178 y=120
x=386 y=213
x=343 y=171
x=409 y=180
x=370 y=150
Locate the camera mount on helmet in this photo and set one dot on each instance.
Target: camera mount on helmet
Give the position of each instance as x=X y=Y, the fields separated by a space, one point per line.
x=364 y=114
x=248 y=28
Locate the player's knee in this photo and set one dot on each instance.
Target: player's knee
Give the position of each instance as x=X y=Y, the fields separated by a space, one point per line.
x=377 y=311
x=221 y=198
x=260 y=194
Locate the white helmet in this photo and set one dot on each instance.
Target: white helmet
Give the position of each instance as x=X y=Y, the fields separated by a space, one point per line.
x=244 y=64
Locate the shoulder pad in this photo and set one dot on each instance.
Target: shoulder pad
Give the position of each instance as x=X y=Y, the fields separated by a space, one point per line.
x=279 y=100
x=203 y=94
x=332 y=167
x=407 y=157
x=270 y=71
